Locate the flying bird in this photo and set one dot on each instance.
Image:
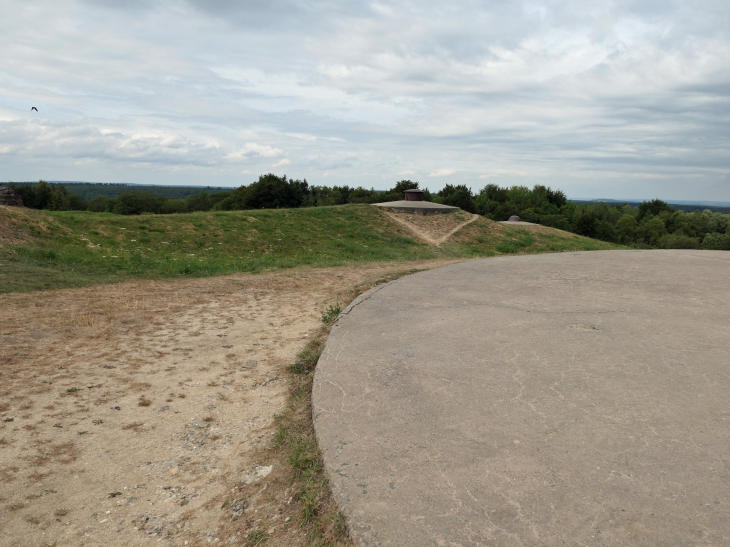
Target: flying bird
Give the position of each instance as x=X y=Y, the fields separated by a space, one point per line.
x=32 y=108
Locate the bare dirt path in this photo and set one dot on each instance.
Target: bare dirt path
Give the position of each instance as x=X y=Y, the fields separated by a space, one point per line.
x=433 y=229
x=131 y=414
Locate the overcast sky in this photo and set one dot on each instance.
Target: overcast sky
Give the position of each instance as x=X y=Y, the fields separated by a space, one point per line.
x=601 y=99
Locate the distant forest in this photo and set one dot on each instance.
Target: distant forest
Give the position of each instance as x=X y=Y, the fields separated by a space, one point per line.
x=650 y=224
x=89 y=190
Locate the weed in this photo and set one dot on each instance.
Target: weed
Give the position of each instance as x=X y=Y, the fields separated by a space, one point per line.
x=61 y=512
x=331 y=313
x=506 y=248
x=143 y=401
x=256 y=538
x=340 y=524
x=209 y=419
x=134 y=426
x=183 y=503
x=72 y=390
x=309 y=356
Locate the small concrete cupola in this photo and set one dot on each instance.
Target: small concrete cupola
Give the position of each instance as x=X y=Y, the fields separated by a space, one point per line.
x=414 y=195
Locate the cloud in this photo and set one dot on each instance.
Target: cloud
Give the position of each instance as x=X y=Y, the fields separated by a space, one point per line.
x=253 y=149
x=443 y=172
x=624 y=99
x=281 y=163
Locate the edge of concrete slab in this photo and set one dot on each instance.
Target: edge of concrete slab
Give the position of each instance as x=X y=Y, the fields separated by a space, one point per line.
x=349 y=401
x=418 y=207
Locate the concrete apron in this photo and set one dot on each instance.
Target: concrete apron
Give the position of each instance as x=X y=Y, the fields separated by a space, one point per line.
x=557 y=399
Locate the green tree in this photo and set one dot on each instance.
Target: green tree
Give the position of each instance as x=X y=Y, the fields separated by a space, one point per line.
x=651 y=231
x=585 y=223
x=269 y=192
x=653 y=207
x=42 y=194
x=458 y=196
x=626 y=229
x=59 y=200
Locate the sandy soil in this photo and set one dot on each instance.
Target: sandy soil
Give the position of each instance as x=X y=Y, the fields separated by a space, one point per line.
x=433 y=229
x=134 y=414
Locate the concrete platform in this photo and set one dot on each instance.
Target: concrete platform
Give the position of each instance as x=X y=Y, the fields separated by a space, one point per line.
x=418 y=207
x=517 y=223
x=558 y=399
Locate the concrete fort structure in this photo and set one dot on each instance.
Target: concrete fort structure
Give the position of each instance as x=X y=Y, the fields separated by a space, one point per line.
x=413 y=203
x=543 y=400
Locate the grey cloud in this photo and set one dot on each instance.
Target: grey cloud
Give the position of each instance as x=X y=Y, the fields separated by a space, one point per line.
x=565 y=93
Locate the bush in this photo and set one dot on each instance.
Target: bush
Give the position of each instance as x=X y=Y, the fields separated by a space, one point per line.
x=679 y=241
x=555 y=221
x=135 y=203
x=173 y=206
x=98 y=204
x=53 y=197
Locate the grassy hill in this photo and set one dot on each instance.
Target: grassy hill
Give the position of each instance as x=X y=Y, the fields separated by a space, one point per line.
x=45 y=250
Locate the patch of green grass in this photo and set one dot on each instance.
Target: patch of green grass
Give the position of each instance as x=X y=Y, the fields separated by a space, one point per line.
x=506 y=248
x=74 y=249
x=482 y=239
x=256 y=538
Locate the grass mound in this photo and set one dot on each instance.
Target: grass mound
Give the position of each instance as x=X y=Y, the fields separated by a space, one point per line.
x=46 y=250
x=484 y=237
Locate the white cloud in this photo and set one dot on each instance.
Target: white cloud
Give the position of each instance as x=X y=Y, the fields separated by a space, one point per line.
x=281 y=163
x=254 y=149
x=443 y=172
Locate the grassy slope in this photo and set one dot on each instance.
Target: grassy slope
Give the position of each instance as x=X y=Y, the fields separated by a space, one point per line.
x=486 y=238
x=43 y=250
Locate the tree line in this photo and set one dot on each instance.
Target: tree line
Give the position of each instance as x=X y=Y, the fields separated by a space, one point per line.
x=651 y=224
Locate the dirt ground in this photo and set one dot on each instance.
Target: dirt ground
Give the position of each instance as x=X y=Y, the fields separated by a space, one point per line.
x=433 y=229
x=137 y=413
